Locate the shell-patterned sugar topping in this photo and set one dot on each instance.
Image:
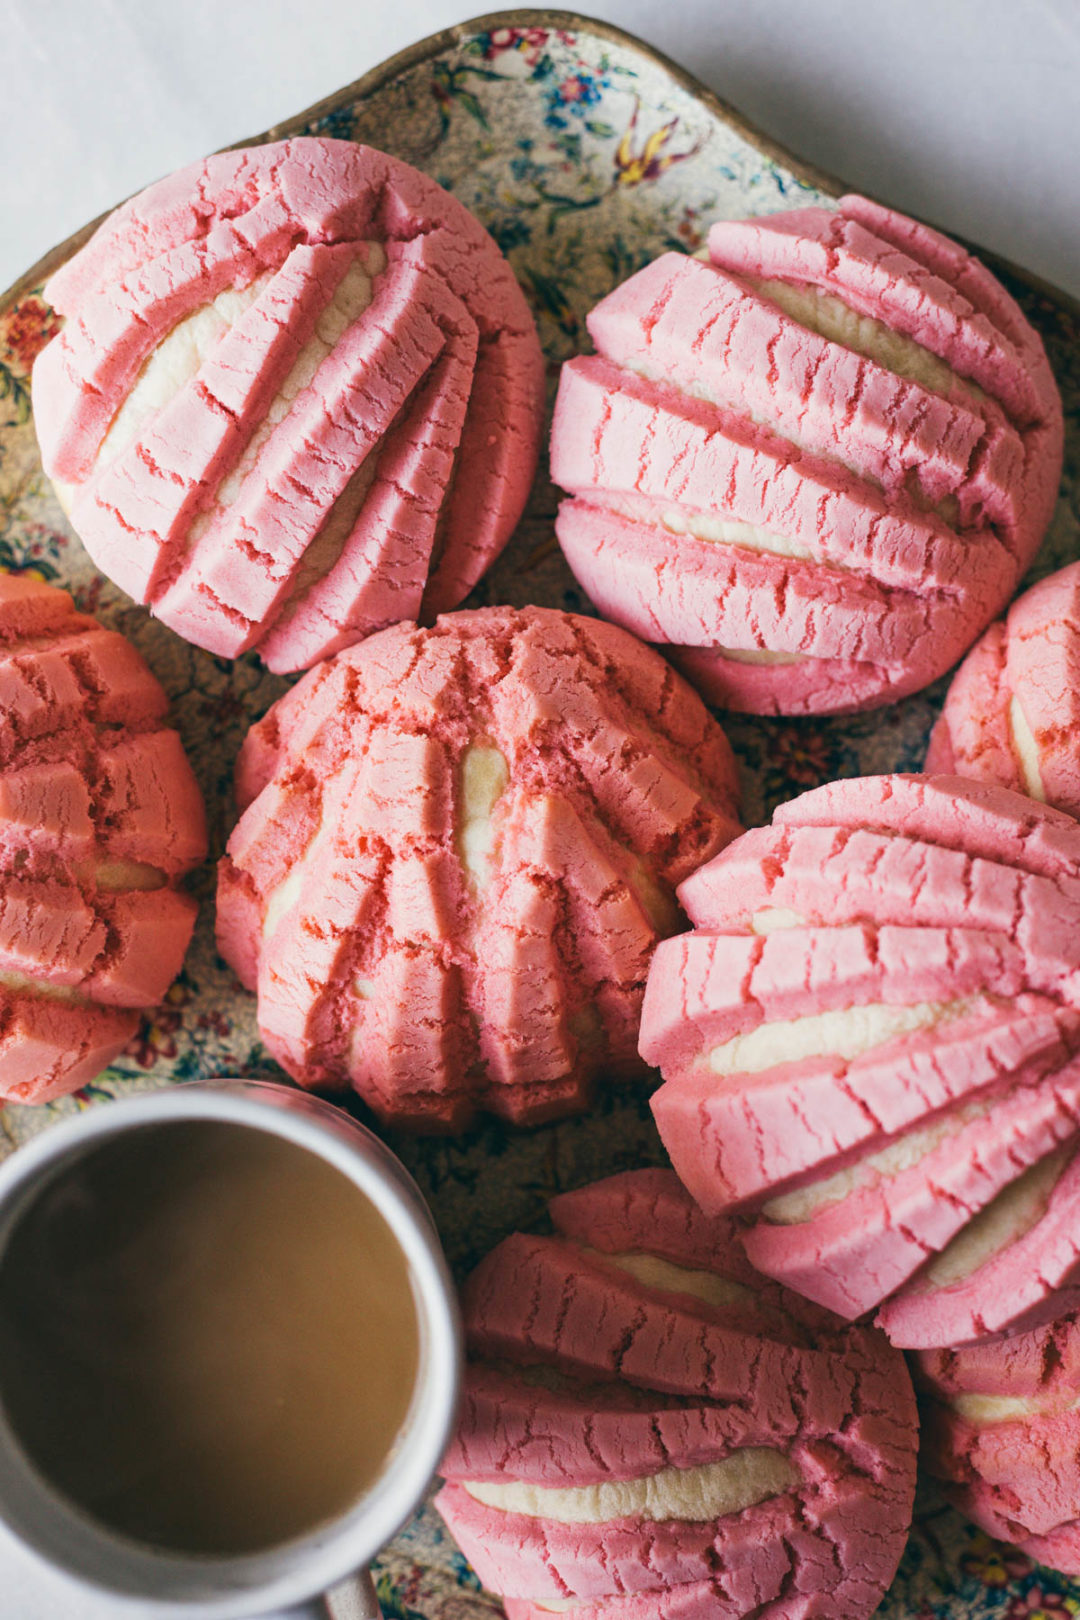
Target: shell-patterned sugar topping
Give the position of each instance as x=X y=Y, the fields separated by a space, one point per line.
x=815 y=463
x=458 y=850
x=1001 y=1425
x=297 y=397
x=650 y=1429
x=1012 y=715
x=100 y=817
x=870 y=1045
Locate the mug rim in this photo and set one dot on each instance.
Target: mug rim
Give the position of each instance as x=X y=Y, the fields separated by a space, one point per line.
x=74 y=1546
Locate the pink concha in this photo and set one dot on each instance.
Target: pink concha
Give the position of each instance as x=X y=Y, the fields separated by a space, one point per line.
x=297 y=397
x=1012 y=715
x=870 y=1046
x=815 y=465
x=100 y=817
x=458 y=850
x=1001 y=1425
x=649 y=1431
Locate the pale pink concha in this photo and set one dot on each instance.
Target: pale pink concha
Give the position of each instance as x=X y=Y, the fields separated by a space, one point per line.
x=458 y=849
x=1012 y=715
x=870 y=1046
x=814 y=464
x=650 y=1430
x=100 y=817
x=297 y=397
x=1001 y=1428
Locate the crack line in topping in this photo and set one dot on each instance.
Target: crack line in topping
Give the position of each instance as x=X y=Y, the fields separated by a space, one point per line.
x=176 y=360
x=694 y=1495
x=903 y=1153
x=45 y=988
x=837 y=323
x=1006 y=1219
x=1026 y=750
x=353 y=295
x=834 y=319
x=843 y=1032
x=664 y=1276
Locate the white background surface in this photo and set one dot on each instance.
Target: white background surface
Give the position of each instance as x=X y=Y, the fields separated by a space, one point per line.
x=965 y=111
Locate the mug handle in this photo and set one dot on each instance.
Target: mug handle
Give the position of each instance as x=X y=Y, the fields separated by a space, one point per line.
x=353 y=1599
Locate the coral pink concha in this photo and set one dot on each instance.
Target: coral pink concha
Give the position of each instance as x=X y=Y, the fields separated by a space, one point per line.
x=1012 y=715
x=650 y=1431
x=871 y=1044
x=815 y=463
x=458 y=850
x=297 y=397
x=1001 y=1423
x=99 y=818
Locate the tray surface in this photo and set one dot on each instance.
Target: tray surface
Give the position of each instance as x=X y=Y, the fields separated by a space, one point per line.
x=585 y=154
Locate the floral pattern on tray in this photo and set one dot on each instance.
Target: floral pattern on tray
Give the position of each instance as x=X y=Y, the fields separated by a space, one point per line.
x=584 y=157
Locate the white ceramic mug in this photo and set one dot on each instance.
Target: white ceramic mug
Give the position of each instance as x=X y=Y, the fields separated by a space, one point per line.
x=55 y=1561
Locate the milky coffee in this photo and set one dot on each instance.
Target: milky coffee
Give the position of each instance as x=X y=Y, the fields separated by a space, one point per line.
x=208 y=1337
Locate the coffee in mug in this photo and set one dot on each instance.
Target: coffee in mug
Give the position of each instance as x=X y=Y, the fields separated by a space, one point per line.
x=209 y=1341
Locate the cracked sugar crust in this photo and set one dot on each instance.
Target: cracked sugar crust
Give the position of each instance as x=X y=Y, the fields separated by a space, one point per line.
x=816 y=464
x=1012 y=715
x=650 y=1429
x=870 y=1045
x=297 y=397
x=1002 y=1428
x=100 y=817
x=458 y=849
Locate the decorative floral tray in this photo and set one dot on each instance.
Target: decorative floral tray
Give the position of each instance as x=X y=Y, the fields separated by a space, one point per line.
x=585 y=154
